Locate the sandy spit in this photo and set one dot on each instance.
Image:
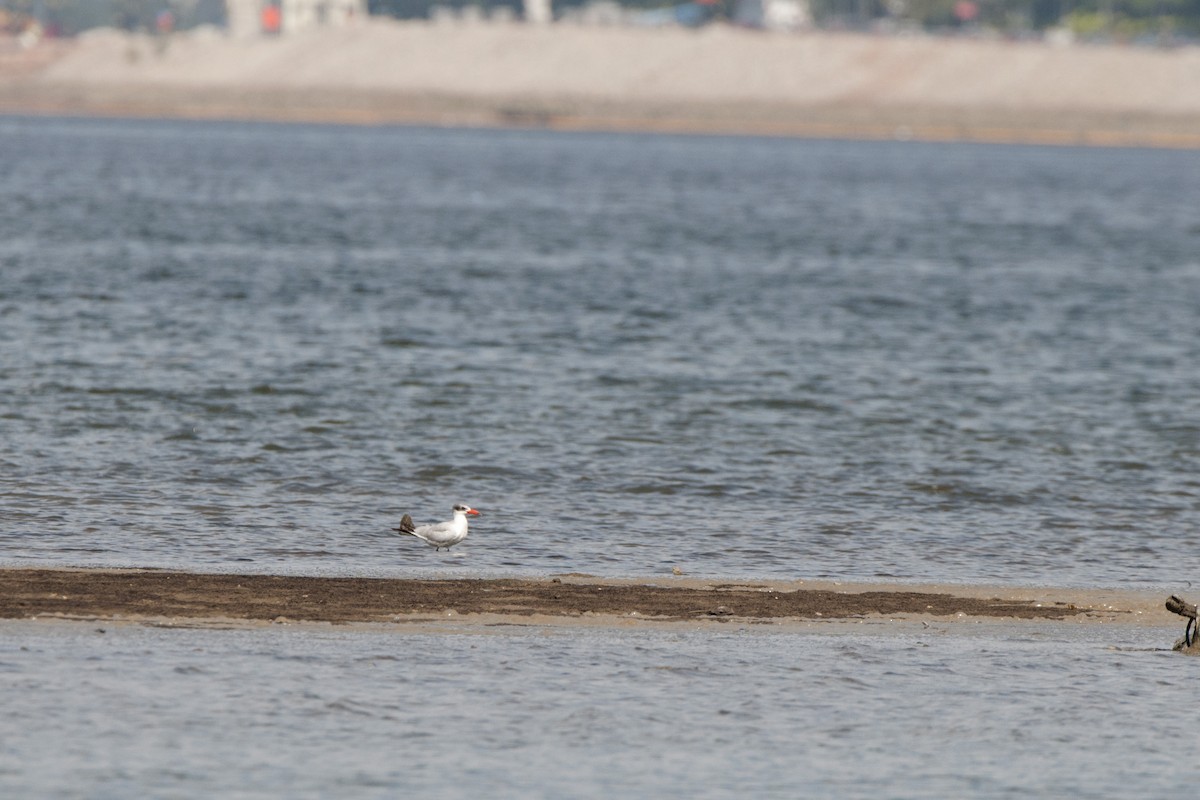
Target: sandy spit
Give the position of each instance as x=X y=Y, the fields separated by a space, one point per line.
x=160 y=595
x=715 y=80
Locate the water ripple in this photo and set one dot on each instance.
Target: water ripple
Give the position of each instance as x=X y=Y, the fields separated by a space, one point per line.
x=738 y=357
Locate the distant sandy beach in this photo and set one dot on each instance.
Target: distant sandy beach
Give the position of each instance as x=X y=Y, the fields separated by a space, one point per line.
x=158 y=595
x=717 y=80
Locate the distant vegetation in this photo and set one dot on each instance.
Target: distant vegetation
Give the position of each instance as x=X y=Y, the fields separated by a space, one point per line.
x=1101 y=20
x=68 y=17
x=1145 y=21
x=1120 y=20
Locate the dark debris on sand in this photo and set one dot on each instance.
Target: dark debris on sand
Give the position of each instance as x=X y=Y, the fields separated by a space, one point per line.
x=28 y=593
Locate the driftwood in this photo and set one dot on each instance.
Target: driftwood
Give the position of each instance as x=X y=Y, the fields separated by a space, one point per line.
x=1188 y=644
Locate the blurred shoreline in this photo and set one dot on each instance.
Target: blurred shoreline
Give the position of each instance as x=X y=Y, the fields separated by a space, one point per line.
x=719 y=80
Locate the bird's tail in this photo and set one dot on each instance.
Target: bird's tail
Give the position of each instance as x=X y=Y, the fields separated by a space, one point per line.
x=406 y=525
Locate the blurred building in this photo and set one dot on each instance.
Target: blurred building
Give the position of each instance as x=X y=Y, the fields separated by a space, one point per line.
x=538 y=12
x=773 y=15
x=254 y=17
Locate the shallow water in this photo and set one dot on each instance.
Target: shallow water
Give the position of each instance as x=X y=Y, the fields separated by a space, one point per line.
x=236 y=346
x=994 y=710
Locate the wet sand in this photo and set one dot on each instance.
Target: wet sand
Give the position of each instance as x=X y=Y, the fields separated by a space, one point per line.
x=1088 y=128
x=144 y=595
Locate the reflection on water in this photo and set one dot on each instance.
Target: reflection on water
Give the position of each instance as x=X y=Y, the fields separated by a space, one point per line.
x=983 y=711
x=254 y=346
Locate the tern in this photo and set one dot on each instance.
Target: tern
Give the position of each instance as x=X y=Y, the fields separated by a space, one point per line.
x=440 y=534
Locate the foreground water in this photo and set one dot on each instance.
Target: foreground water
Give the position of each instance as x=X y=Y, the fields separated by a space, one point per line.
x=102 y=710
x=250 y=347
x=231 y=346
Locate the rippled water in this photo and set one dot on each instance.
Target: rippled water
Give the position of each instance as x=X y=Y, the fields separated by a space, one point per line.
x=254 y=347
x=1026 y=711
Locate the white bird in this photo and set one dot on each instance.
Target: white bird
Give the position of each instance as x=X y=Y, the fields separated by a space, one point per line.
x=440 y=534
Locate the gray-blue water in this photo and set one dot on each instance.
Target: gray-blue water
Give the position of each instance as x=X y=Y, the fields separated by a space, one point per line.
x=252 y=347
x=255 y=346
x=1078 y=711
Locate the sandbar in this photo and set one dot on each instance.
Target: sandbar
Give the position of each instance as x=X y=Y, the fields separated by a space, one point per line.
x=154 y=595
